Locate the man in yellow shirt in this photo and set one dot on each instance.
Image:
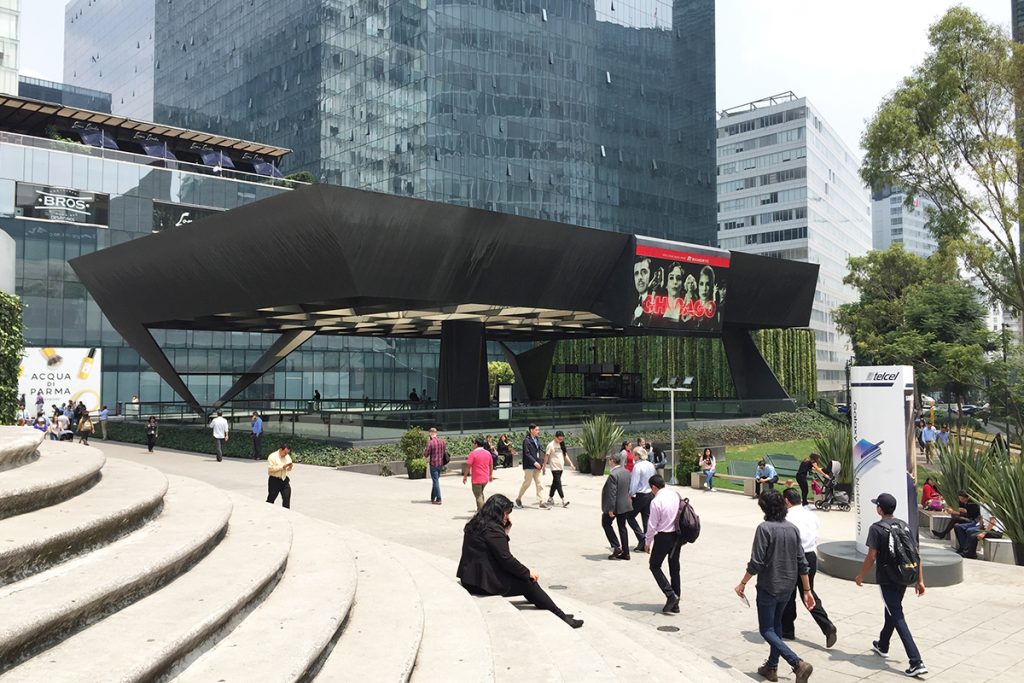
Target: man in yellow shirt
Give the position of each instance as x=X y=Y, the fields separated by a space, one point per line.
x=279 y=464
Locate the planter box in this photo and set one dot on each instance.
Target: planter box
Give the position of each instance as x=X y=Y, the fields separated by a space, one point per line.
x=597 y=467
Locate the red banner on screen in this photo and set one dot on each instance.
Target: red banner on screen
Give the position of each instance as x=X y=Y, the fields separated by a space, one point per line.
x=679 y=287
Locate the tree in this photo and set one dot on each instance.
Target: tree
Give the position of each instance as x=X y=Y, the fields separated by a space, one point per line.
x=914 y=311
x=499 y=372
x=949 y=131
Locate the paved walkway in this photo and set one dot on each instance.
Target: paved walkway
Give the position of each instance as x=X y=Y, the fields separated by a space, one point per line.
x=968 y=633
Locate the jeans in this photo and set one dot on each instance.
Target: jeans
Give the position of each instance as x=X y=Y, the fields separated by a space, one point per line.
x=892 y=596
x=620 y=520
x=769 y=622
x=642 y=507
x=666 y=544
x=220 y=448
x=257 y=446
x=965 y=533
x=710 y=474
x=435 y=484
x=819 y=614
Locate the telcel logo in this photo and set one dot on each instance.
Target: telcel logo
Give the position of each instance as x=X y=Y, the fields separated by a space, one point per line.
x=884 y=376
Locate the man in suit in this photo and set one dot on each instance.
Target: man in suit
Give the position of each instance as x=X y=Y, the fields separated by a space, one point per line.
x=532 y=466
x=615 y=505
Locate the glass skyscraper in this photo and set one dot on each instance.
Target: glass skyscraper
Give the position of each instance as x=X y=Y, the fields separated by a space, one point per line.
x=593 y=113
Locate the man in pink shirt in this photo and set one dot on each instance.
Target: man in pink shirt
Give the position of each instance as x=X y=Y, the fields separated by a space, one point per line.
x=663 y=541
x=479 y=466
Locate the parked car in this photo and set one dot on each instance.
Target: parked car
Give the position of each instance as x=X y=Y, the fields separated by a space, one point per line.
x=842 y=408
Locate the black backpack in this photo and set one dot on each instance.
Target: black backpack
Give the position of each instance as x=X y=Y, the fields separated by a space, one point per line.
x=688 y=522
x=902 y=563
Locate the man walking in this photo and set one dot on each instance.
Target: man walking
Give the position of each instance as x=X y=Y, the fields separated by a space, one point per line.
x=480 y=466
x=279 y=466
x=640 y=495
x=662 y=540
x=257 y=436
x=778 y=561
x=808 y=524
x=880 y=547
x=103 y=415
x=220 y=429
x=615 y=505
x=928 y=437
x=434 y=455
x=556 y=459
x=532 y=468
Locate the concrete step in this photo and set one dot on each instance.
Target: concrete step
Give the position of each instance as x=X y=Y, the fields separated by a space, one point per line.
x=453 y=647
x=510 y=635
x=123 y=499
x=303 y=613
x=381 y=638
x=144 y=640
x=62 y=471
x=18 y=446
x=44 y=608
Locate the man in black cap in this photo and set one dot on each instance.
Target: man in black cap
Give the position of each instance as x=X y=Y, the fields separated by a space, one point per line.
x=879 y=547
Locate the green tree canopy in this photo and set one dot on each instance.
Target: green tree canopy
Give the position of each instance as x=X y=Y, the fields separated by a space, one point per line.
x=915 y=311
x=949 y=131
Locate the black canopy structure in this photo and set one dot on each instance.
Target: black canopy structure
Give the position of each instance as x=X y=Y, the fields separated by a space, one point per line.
x=333 y=260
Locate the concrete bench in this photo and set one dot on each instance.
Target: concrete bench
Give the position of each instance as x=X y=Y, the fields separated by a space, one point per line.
x=697 y=480
x=998 y=550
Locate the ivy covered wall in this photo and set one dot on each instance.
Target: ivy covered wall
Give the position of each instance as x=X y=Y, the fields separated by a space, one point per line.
x=790 y=353
x=11 y=349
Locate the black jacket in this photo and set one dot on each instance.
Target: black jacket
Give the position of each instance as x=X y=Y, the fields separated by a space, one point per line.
x=487 y=565
x=531 y=453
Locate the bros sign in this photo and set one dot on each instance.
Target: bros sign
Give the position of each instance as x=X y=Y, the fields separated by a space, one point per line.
x=61 y=204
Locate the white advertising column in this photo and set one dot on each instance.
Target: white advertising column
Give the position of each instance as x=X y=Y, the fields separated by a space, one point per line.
x=884 y=461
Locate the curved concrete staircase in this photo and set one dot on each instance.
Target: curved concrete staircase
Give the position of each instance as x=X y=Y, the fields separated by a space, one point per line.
x=113 y=571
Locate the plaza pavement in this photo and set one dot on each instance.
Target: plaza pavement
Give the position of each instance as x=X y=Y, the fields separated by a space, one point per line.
x=969 y=633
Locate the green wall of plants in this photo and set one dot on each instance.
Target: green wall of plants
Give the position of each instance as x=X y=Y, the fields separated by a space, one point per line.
x=12 y=346
x=790 y=353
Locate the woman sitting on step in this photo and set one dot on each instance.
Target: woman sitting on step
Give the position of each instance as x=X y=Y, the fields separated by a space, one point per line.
x=487 y=566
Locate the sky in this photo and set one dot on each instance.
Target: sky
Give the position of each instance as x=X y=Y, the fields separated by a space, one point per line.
x=844 y=55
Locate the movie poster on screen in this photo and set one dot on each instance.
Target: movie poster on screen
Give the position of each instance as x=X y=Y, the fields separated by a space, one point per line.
x=679 y=286
x=61 y=375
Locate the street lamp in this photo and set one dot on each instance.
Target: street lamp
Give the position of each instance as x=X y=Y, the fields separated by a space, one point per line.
x=672 y=389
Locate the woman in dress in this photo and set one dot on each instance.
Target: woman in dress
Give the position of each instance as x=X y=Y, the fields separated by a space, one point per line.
x=674 y=290
x=487 y=566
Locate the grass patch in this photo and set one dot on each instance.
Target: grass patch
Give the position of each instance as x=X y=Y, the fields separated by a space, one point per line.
x=798 y=448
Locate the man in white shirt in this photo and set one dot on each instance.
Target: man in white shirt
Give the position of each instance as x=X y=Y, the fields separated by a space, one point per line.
x=662 y=540
x=220 y=429
x=968 y=536
x=640 y=494
x=279 y=466
x=807 y=522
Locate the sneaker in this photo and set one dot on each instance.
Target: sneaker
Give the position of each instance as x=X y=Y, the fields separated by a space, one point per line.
x=803 y=671
x=519 y=505
x=769 y=673
x=550 y=502
x=884 y=654
x=565 y=503
x=542 y=506
x=831 y=637
x=916 y=670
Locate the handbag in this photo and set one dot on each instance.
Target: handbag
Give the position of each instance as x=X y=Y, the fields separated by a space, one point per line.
x=445 y=459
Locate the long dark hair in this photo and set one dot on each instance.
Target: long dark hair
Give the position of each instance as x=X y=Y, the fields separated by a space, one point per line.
x=773 y=505
x=492 y=512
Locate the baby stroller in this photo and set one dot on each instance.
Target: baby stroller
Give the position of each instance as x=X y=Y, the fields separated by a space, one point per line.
x=829 y=496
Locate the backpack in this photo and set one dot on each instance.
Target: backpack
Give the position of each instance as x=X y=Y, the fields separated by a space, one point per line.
x=688 y=522
x=902 y=563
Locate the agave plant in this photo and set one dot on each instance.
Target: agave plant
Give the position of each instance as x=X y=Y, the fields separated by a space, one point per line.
x=960 y=465
x=599 y=436
x=837 y=445
x=1000 y=487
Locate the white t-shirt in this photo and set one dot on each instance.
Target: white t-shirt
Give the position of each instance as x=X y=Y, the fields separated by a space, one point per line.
x=555 y=459
x=220 y=427
x=808 y=524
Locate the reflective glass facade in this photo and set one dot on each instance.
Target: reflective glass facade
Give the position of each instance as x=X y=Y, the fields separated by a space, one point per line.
x=598 y=114
x=9 y=46
x=61 y=93
x=59 y=312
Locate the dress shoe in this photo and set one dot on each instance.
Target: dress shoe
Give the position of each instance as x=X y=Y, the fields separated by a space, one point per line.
x=575 y=623
x=616 y=554
x=640 y=548
x=671 y=606
x=622 y=556
x=803 y=671
x=830 y=638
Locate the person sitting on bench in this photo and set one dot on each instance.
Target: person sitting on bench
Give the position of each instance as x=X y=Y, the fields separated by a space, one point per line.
x=764 y=476
x=968 y=535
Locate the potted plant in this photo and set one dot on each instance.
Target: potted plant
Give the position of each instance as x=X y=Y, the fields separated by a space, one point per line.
x=599 y=436
x=960 y=464
x=837 y=446
x=1000 y=488
x=416 y=468
x=582 y=462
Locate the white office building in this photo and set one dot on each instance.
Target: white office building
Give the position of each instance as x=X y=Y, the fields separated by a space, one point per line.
x=9 y=46
x=894 y=220
x=788 y=187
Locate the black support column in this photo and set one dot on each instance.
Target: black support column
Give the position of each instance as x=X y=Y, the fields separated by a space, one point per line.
x=462 y=381
x=751 y=375
x=531 y=369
